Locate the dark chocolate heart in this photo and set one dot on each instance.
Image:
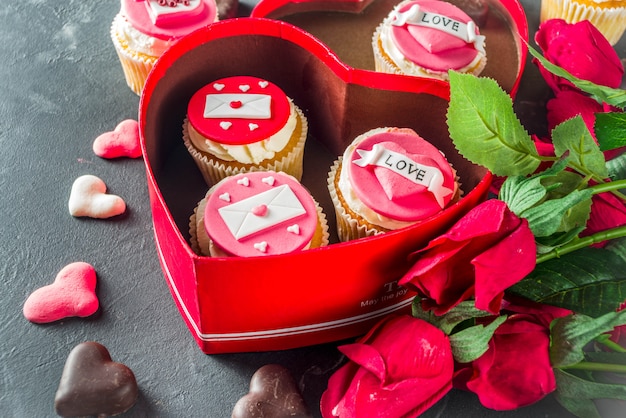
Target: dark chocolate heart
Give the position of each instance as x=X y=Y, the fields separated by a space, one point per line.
x=93 y=384
x=273 y=394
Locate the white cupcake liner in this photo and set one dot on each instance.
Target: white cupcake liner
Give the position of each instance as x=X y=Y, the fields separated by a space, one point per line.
x=348 y=227
x=611 y=21
x=135 y=66
x=213 y=171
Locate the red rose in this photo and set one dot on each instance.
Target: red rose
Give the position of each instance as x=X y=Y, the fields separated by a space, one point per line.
x=399 y=369
x=607 y=212
x=580 y=49
x=569 y=103
x=515 y=371
x=484 y=253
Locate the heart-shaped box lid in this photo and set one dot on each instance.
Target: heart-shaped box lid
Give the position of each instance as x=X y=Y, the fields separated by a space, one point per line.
x=313 y=296
x=347 y=26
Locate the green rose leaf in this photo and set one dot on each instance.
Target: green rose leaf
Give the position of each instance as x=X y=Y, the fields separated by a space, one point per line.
x=485 y=129
x=521 y=193
x=617 y=167
x=615 y=97
x=610 y=130
x=547 y=218
x=471 y=343
x=460 y=313
x=618 y=247
x=570 y=335
x=577 y=394
x=591 y=281
x=584 y=155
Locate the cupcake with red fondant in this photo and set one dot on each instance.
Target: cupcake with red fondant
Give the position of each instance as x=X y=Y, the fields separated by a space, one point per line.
x=241 y=124
x=257 y=214
x=427 y=38
x=143 y=29
x=387 y=179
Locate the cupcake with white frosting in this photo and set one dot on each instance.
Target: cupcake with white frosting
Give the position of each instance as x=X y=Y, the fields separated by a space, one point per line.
x=257 y=214
x=242 y=124
x=387 y=179
x=427 y=38
x=143 y=29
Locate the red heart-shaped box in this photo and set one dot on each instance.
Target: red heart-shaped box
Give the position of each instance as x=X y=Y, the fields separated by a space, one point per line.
x=314 y=296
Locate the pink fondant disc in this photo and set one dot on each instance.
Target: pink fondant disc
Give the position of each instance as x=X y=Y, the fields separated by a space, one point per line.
x=234 y=222
x=172 y=25
x=432 y=48
x=391 y=194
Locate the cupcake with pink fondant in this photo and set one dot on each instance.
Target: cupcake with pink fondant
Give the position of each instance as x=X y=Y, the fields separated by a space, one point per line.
x=143 y=29
x=257 y=214
x=242 y=123
x=387 y=179
x=427 y=38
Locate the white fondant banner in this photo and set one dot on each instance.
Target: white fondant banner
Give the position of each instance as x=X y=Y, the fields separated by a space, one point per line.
x=465 y=31
x=238 y=105
x=427 y=176
x=279 y=204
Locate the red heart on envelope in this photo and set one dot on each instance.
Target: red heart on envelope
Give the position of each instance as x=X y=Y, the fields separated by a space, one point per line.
x=312 y=296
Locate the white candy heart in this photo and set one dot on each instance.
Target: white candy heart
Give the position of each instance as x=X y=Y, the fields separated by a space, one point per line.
x=244 y=181
x=88 y=198
x=253 y=126
x=225 y=197
x=263 y=84
x=244 y=87
x=261 y=246
x=225 y=125
x=218 y=86
x=294 y=229
x=268 y=180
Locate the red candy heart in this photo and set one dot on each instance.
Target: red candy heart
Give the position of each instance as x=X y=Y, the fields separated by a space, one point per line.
x=236 y=104
x=121 y=142
x=93 y=384
x=273 y=393
x=71 y=294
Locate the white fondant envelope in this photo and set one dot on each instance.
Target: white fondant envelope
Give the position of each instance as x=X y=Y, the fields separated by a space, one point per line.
x=282 y=205
x=237 y=105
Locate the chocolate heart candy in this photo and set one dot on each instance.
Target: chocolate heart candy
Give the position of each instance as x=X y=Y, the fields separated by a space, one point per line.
x=273 y=393
x=93 y=384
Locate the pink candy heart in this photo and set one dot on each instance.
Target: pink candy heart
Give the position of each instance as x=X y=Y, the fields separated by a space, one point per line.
x=121 y=142
x=88 y=198
x=71 y=294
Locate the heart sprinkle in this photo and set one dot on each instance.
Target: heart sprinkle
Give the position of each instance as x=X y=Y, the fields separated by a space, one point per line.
x=294 y=229
x=263 y=84
x=73 y=293
x=88 y=198
x=94 y=385
x=123 y=141
x=268 y=180
x=236 y=104
x=225 y=197
x=260 y=210
x=244 y=87
x=261 y=246
x=253 y=126
x=218 y=86
x=225 y=125
x=244 y=181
